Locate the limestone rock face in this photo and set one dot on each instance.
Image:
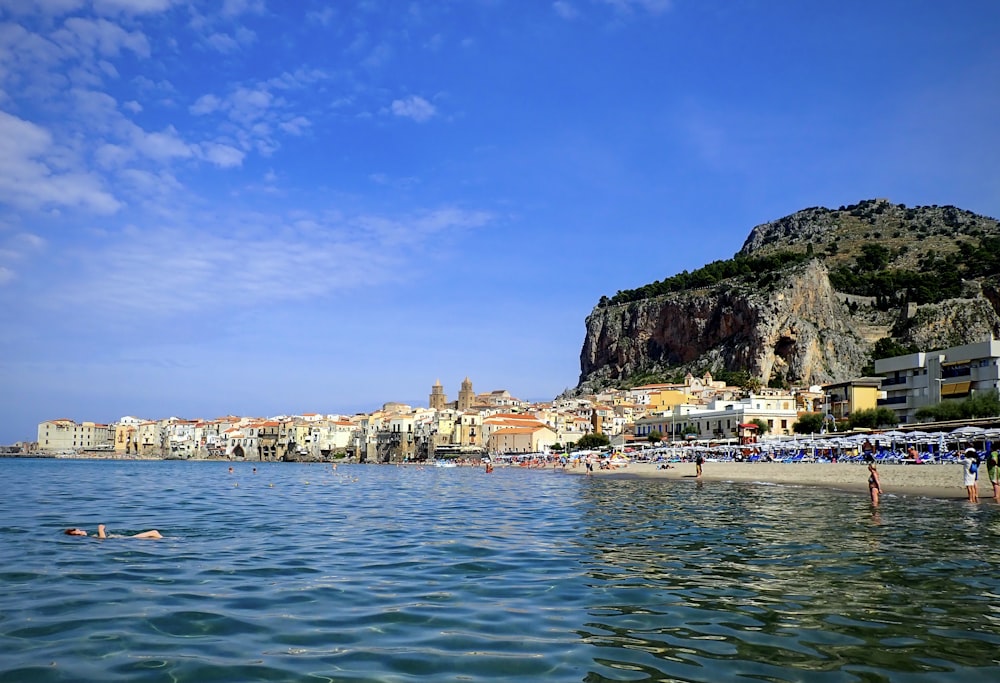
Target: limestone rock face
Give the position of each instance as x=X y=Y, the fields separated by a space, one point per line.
x=861 y=273
x=798 y=329
x=953 y=322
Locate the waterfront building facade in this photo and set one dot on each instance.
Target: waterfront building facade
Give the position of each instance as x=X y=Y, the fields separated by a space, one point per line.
x=844 y=398
x=66 y=435
x=918 y=380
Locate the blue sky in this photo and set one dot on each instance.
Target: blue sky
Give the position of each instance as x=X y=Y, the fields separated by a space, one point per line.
x=261 y=207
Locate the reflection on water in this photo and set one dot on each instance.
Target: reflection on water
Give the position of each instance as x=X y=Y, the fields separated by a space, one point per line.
x=402 y=574
x=762 y=581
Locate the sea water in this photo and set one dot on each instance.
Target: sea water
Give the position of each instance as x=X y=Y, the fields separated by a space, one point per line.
x=381 y=573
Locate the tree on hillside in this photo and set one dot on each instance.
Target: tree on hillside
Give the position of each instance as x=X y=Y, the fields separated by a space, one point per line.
x=887 y=347
x=874 y=257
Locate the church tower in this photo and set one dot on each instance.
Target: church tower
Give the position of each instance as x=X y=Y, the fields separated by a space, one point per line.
x=466 y=397
x=438 y=400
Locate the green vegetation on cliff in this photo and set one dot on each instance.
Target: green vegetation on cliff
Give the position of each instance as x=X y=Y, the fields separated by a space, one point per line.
x=938 y=277
x=751 y=269
x=868 y=248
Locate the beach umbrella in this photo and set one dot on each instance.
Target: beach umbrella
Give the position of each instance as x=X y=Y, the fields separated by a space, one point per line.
x=968 y=431
x=967 y=434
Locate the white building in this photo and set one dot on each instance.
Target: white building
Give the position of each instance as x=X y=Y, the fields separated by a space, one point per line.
x=67 y=435
x=917 y=380
x=721 y=418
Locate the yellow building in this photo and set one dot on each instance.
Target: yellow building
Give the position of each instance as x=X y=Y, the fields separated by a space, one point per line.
x=844 y=398
x=666 y=399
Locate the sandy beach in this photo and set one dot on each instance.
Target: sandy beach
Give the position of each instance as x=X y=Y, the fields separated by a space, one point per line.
x=931 y=481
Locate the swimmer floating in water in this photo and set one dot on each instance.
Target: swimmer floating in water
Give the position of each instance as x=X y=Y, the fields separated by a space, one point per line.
x=152 y=533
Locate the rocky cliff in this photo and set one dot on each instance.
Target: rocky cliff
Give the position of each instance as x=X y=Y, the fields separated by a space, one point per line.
x=811 y=318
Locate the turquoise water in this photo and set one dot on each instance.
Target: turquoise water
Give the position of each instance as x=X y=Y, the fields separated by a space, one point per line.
x=372 y=573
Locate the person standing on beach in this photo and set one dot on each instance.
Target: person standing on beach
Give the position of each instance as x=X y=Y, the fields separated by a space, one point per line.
x=993 y=469
x=970 y=467
x=698 y=462
x=874 y=485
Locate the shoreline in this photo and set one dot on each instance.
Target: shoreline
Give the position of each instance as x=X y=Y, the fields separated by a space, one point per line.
x=942 y=482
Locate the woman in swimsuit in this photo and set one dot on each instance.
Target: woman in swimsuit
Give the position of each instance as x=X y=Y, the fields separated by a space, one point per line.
x=874 y=485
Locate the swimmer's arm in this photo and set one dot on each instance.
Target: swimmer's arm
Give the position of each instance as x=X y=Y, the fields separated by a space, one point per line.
x=100 y=531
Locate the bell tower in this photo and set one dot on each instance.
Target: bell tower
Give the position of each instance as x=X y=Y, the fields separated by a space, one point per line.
x=466 y=397
x=438 y=400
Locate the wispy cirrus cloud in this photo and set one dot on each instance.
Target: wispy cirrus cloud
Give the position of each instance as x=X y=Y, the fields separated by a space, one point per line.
x=16 y=248
x=254 y=113
x=133 y=6
x=257 y=260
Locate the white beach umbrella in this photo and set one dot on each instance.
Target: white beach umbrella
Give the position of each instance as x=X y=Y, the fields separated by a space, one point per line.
x=968 y=431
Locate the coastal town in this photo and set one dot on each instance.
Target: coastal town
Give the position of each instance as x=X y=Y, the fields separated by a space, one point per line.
x=698 y=410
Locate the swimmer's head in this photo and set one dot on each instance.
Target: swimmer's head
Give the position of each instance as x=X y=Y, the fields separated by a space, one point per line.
x=75 y=532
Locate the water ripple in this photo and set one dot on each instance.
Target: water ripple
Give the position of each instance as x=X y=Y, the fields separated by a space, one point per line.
x=302 y=572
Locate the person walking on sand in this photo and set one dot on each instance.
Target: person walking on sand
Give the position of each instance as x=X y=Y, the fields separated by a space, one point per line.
x=152 y=533
x=993 y=469
x=970 y=469
x=874 y=485
x=699 y=460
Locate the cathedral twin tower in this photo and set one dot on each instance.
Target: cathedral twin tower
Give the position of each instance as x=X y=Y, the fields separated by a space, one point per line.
x=466 y=397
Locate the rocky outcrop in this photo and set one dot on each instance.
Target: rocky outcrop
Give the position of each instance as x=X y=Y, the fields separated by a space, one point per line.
x=952 y=323
x=815 y=320
x=798 y=329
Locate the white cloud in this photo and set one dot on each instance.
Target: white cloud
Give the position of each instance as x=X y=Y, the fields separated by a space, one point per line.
x=161 y=146
x=226 y=43
x=49 y=7
x=232 y=8
x=15 y=249
x=132 y=106
x=251 y=259
x=295 y=126
x=85 y=38
x=249 y=104
x=221 y=155
x=36 y=173
x=414 y=107
x=206 y=104
x=27 y=240
x=132 y=6
x=222 y=42
x=112 y=156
